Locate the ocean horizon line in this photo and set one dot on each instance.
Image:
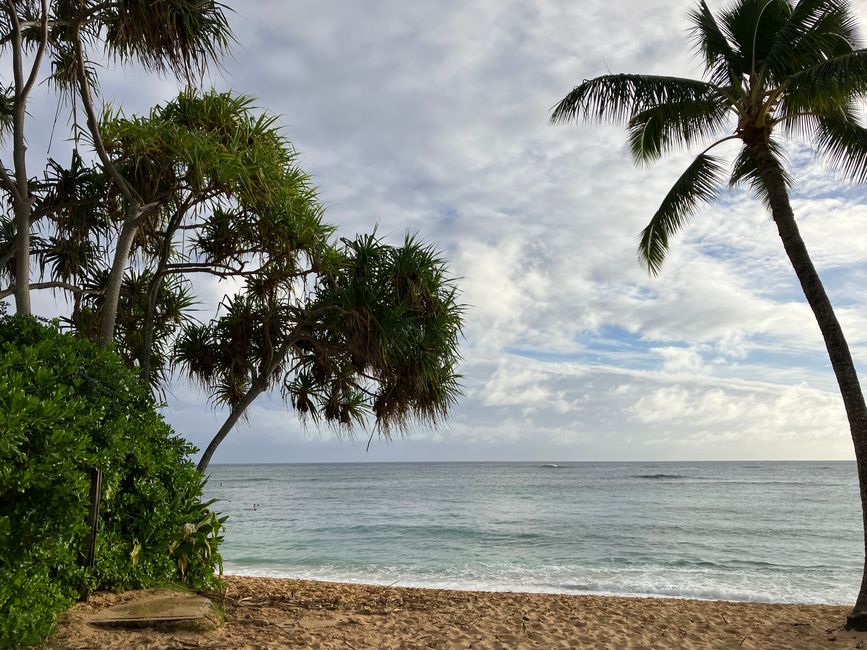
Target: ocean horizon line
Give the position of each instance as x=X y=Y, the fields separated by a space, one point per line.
x=547 y=462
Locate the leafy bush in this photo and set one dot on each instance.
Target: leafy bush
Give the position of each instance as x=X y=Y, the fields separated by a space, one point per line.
x=68 y=406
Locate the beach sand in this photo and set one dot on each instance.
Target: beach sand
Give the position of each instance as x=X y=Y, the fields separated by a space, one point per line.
x=275 y=613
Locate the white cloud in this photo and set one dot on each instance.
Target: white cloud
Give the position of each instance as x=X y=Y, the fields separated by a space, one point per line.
x=431 y=117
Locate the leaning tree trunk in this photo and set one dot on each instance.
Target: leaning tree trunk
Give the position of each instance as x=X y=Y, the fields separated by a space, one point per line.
x=256 y=388
x=835 y=342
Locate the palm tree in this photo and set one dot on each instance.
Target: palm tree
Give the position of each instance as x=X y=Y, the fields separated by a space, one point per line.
x=772 y=67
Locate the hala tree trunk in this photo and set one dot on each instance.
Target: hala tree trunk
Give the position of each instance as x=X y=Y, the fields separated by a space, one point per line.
x=147 y=348
x=115 y=278
x=22 y=258
x=256 y=388
x=146 y=356
x=835 y=342
x=21 y=205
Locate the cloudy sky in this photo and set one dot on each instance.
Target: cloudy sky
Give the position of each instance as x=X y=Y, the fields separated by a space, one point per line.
x=431 y=118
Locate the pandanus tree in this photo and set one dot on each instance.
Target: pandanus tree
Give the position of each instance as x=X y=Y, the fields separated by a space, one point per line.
x=176 y=36
x=230 y=198
x=346 y=330
x=374 y=335
x=773 y=68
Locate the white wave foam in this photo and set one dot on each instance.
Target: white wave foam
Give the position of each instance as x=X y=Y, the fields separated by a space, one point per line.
x=698 y=585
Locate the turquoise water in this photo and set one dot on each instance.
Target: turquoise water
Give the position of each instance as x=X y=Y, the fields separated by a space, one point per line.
x=778 y=532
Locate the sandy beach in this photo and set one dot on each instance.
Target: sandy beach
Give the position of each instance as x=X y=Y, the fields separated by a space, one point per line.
x=276 y=613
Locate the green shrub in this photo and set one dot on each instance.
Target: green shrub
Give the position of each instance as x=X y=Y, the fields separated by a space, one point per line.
x=68 y=406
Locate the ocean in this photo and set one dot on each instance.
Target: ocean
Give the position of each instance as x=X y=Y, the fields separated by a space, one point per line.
x=786 y=532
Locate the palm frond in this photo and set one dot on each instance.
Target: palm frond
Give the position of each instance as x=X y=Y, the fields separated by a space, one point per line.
x=826 y=86
x=711 y=43
x=842 y=142
x=698 y=184
x=816 y=30
x=751 y=26
x=617 y=97
x=657 y=130
x=745 y=170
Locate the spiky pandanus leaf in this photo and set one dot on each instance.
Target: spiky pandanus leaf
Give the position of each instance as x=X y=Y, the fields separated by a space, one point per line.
x=384 y=338
x=180 y=36
x=198 y=353
x=7 y=100
x=698 y=184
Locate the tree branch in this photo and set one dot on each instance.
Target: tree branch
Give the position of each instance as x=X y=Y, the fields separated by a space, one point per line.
x=93 y=126
x=227 y=272
x=43 y=41
x=72 y=288
x=7 y=181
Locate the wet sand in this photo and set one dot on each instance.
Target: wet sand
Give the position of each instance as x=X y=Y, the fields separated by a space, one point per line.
x=276 y=613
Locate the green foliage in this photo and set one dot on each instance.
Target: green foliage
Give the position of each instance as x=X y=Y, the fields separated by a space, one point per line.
x=771 y=66
x=698 y=184
x=67 y=407
x=377 y=336
x=234 y=203
x=196 y=548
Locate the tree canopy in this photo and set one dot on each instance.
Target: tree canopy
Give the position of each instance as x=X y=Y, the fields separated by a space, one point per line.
x=773 y=68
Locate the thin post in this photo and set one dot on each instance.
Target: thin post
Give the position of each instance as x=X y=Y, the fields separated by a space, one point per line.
x=93 y=525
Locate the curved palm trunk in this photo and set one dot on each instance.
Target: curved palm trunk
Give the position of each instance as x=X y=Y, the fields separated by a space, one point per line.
x=835 y=342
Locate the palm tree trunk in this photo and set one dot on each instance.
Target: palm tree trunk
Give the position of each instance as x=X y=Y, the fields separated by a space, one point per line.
x=835 y=342
x=256 y=388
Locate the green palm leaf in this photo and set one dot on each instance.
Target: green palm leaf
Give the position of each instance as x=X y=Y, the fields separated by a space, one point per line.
x=699 y=183
x=815 y=31
x=826 y=86
x=617 y=97
x=843 y=144
x=717 y=52
x=751 y=27
x=656 y=130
